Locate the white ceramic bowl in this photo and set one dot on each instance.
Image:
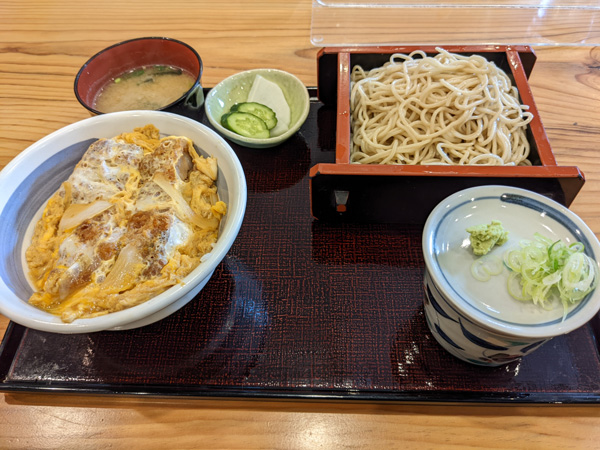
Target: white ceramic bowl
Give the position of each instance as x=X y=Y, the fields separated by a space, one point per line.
x=31 y=178
x=480 y=322
x=235 y=89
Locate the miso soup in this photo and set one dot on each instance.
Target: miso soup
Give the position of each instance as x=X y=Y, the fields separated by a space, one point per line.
x=148 y=87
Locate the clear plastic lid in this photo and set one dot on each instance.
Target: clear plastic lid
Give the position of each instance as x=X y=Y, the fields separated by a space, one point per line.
x=392 y=22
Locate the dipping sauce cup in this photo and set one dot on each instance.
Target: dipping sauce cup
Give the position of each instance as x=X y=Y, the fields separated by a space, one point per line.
x=479 y=321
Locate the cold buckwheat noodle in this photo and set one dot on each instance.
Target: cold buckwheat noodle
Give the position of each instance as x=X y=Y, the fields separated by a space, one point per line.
x=446 y=109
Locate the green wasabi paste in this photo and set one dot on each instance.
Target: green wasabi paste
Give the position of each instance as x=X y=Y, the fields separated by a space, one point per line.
x=484 y=237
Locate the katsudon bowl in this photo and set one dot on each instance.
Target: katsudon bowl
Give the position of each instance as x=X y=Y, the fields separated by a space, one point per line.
x=28 y=181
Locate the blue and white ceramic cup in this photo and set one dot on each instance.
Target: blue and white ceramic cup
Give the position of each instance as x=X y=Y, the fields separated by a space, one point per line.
x=478 y=321
x=466 y=339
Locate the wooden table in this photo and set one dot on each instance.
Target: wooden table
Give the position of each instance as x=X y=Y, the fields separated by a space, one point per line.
x=43 y=44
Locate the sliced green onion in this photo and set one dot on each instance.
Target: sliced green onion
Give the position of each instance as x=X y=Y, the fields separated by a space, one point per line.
x=546 y=269
x=485 y=267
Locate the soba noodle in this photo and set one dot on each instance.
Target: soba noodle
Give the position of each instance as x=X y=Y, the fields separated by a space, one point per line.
x=446 y=109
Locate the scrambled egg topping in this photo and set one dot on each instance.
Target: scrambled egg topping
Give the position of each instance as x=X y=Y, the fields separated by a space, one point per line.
x=135 y=217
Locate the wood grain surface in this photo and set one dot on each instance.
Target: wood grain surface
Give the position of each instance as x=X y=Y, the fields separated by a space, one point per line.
x=42 y=46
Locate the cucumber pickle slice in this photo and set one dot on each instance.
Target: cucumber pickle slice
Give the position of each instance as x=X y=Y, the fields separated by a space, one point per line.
x=245 y=124
x=259 y=110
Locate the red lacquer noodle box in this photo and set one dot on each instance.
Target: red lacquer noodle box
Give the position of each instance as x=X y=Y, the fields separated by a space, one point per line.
x=341 y=191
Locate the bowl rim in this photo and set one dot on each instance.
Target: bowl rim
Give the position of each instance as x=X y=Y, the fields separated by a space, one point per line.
x=195 y=86
x=106 y=322
x=243 y=139
x=585 y=311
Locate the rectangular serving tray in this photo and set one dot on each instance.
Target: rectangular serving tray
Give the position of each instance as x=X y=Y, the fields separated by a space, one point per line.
x=341 y=191
x=299 y=309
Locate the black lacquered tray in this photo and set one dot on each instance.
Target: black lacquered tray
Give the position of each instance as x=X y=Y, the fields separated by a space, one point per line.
x=299 y=309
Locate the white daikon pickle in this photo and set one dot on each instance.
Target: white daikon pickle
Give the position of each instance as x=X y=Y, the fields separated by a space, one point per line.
x=270 y=94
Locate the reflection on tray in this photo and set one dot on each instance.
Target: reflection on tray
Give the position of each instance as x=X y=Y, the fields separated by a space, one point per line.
x=213 y=346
